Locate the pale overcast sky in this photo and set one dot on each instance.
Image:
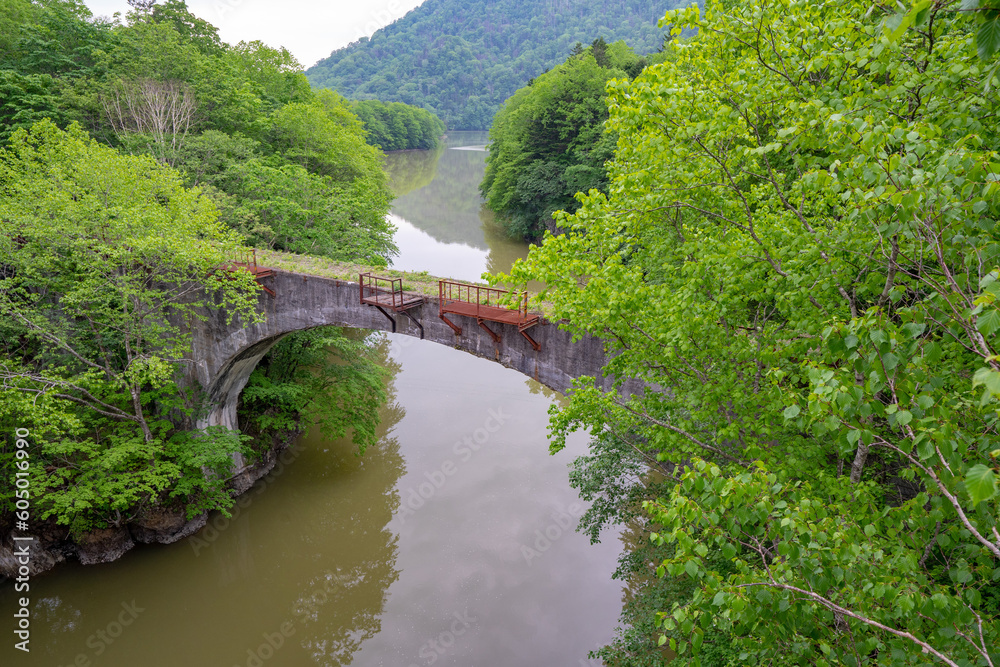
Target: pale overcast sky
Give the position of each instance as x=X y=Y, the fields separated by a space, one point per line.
x=308 y=28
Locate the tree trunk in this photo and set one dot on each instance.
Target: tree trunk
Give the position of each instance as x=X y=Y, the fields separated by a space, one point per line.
x=858 y=466
x=137 y=406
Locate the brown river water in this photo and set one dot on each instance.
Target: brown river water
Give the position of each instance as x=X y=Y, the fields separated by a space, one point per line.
x=450 y=542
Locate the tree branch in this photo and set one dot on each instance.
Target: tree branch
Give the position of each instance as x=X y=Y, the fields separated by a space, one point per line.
x=832 y=606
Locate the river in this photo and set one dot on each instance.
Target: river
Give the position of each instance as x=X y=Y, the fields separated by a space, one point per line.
x=450 y=542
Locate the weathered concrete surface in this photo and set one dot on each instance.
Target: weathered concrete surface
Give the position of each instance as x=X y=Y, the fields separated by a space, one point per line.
x=224 y=355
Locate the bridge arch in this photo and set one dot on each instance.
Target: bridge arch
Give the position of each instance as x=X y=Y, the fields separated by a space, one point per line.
x=225 y=354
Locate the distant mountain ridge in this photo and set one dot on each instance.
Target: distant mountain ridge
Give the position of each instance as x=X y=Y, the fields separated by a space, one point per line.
x=462 y=58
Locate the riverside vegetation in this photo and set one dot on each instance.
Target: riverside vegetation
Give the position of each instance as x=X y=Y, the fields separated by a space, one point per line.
x=797 y=251
x=140 y=153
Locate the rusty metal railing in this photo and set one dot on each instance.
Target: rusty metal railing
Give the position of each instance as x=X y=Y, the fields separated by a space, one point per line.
x=374 y=288
x=244 y=257
x=478 y=296
x=486 y=304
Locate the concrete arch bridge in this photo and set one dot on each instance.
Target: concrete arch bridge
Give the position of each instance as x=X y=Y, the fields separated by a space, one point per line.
x=224 y=355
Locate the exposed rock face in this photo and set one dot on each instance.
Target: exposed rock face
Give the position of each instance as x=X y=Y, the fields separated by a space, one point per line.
x=165 y=527
x=103 y=545
x=48 y=549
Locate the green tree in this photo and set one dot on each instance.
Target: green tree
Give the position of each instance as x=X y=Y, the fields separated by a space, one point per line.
x=397 y=126
x=798 y=255
x=105 y=259
x=190 y=28
x=275 y=73
x=284 y=206
x=27 y=99
x=548 y=142
x=15 y=15
x=319 y=377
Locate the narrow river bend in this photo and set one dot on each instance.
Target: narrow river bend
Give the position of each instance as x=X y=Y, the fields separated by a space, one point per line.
x=450 y=542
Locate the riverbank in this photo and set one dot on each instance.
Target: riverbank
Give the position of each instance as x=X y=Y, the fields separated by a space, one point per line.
x=54 y=544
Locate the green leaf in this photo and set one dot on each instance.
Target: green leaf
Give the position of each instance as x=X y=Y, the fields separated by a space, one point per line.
x=981 y=483
x=925 y=449
x=691 y=568
x=988 y=37
x=897 y=24
x=792 y=411
x=988 y=322
x=920 y=12
x=989 y=378
x=932 y=353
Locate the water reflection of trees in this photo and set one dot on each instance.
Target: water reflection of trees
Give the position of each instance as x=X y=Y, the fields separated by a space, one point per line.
x=411 y=170
x=504 y=251
x=54 y=620
x=340 y=605
x=447 y=207
x=438 y=192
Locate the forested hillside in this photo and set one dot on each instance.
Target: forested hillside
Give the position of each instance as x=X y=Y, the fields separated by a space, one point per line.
x=462 y=58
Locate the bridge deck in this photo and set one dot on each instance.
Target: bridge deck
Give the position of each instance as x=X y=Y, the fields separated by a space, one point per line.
x=387 y=300
x=255 y=270
x=490 y=313
x=386 y=293
x=483 y=303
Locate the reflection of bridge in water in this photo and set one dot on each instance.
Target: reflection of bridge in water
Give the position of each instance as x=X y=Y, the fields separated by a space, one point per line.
x=224 y=354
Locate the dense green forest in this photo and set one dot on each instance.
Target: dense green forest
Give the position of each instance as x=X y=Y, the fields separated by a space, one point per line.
x=797 y=253
x=548 y=141
x=395 y=126
x=462 y=58
x=138 y=155
x=288 y=168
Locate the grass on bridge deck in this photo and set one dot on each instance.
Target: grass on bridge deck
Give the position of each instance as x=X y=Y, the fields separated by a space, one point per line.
x=419 y=282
